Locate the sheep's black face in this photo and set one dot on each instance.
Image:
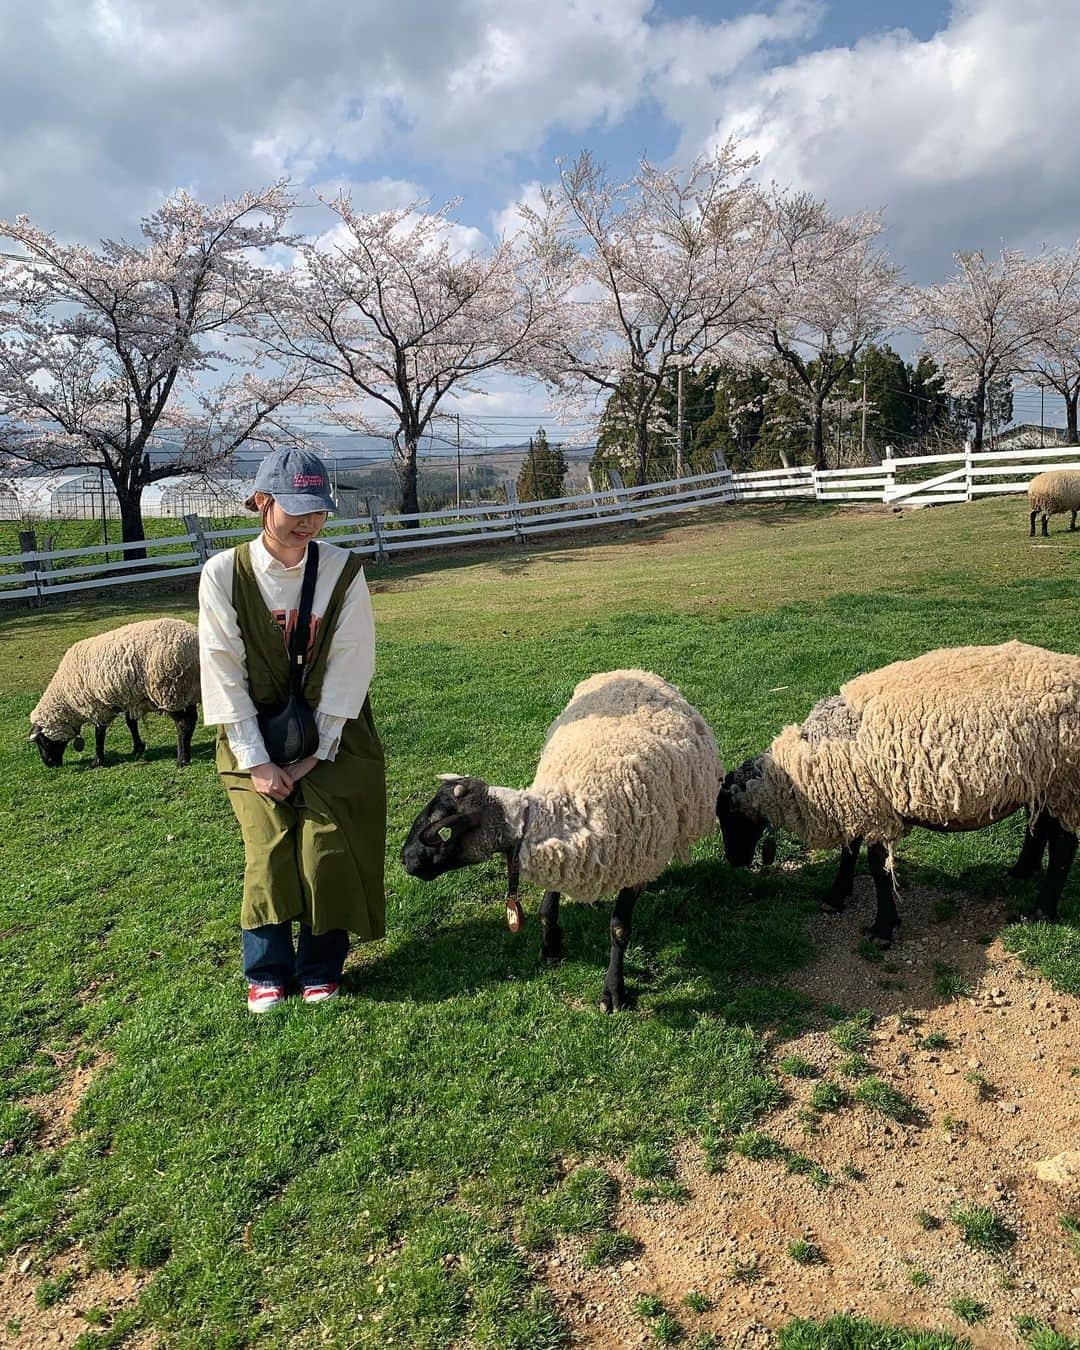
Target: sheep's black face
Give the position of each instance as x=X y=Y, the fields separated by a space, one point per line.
x=447 y=832
x=741 y=828
x=52 y=752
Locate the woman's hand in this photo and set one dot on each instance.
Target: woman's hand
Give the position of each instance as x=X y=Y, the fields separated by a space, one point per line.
x=302 y=767
x=272 y=781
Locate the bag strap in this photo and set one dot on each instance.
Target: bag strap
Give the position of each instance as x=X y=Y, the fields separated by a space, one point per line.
x=298 y=643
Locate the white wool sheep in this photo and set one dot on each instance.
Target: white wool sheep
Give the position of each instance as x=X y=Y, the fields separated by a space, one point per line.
x=953 y=740
x=150 y=666
x=1052 y=492
x=627 y=779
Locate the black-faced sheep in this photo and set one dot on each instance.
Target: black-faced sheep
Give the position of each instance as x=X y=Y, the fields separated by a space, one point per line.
x=1052 y=492
x=954 y=740
x=627 y=779
x=151 y=666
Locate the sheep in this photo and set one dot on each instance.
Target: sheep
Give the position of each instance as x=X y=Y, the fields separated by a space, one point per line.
x=151 y=666
x=953 y=740
x=627 y=779
x=1051 y=492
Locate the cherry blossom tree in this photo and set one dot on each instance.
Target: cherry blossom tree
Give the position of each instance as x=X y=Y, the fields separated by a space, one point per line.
x=104 y=350
x=984 y=324
x=396 y=312
x=1056 y=362
x=650 y=274
x=830 y=292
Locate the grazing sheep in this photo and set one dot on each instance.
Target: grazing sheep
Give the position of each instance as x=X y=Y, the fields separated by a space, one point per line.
x=954 y=740
x=152 y=666
x=627 y=778
x=1051 y=492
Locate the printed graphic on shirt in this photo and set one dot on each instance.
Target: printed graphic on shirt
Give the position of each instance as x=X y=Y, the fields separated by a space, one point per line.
x=286 y=620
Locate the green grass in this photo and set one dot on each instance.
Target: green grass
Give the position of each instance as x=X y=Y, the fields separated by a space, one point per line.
x=797 y=1066
x=853 y=1034
x=948 y=982
x=386 y=1158
x=917 y=1278
x=805 y=1253
x=827 y=1097
x=969 y=1310
x=881 y=1097
x=856 y=1333
x=1072 y=1229
x=981 y=1228
x=696 y=1301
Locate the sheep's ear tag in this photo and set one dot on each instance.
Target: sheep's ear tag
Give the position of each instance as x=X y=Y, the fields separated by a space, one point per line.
x=514 y=915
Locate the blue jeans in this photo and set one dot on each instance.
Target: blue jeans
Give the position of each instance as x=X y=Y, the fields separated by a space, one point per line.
x=269 y=957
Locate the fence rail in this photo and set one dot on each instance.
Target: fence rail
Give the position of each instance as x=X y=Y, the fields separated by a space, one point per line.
x=34 y=574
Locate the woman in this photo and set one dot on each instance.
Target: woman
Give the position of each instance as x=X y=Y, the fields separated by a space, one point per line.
x=314 y=830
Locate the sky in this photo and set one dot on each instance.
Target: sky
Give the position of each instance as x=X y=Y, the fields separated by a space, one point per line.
x=958 y=119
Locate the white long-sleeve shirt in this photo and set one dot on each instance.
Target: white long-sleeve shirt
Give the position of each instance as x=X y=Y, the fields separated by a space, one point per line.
x=226 y=696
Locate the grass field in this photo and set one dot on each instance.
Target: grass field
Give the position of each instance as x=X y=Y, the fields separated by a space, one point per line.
x=376 y=1172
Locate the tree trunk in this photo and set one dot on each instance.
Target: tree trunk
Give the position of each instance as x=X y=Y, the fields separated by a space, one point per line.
x=131 y=521
x=410 y=501
x=1071 y=401
x=980 y=417
x=818 y=443
x=641 y=445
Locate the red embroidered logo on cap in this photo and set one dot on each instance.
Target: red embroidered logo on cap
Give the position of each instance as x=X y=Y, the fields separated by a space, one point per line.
x=305 y=480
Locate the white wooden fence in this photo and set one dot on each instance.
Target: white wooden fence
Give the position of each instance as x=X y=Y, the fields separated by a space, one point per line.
x=34 y=574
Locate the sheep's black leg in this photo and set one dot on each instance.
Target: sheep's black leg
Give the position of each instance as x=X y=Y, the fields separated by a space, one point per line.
x=614 y=998
x=844 y=882
x=1033 y=515
x=99 y=746
x=1045 y=530
x=185 y=729
x=886 y=919
x=1031 y=854
x=1072 y=523
x=138 y=745
x=1062 y=852
x=551 y=950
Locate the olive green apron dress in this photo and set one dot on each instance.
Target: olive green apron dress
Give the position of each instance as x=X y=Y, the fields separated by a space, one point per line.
x=317 y=857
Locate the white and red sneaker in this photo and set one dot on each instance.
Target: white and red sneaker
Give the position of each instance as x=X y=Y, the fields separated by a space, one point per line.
x=263 y=997
x=319 y=993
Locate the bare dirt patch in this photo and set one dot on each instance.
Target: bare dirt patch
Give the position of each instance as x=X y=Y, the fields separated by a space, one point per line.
x=102 y=1294
x=79 y=1296
x=999 y=1095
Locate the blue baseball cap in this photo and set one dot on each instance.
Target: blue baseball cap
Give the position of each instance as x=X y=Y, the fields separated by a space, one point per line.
x=296 y=479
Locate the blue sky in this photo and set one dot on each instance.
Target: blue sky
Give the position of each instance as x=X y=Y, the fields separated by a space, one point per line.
x=956 y=118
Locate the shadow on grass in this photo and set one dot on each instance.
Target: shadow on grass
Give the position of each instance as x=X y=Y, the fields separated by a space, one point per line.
x=709 y=942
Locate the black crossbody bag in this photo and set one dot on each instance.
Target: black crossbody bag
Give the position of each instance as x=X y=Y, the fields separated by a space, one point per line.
x=291 y=734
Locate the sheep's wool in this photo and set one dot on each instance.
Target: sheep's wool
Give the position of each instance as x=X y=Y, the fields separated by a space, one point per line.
x=143 y=667
x=1055 y=491
x=957 y=737
x=627 y=779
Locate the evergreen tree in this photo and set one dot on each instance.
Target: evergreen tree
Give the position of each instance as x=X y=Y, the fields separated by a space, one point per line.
x=543 y=470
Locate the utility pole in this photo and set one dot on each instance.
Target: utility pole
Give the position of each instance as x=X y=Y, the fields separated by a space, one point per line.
x=1042 y=414
x=457 y=417
x=679 y=426
x=862 y=435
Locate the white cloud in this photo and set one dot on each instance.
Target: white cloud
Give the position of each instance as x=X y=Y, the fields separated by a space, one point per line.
x=104 y=108
x=962 y=137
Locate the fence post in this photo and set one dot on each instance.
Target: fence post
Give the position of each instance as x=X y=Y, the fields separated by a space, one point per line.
x=721 y=465
x=512 y=501
x=969 y=469
x=889 y=465
x=374 y=507
x=29 y=544
x=48 y=542
x=816 y=484
x=618 y=486
x=200 y=547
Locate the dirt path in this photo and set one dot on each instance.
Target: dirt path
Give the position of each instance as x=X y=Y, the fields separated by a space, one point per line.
x=1002 y=1093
